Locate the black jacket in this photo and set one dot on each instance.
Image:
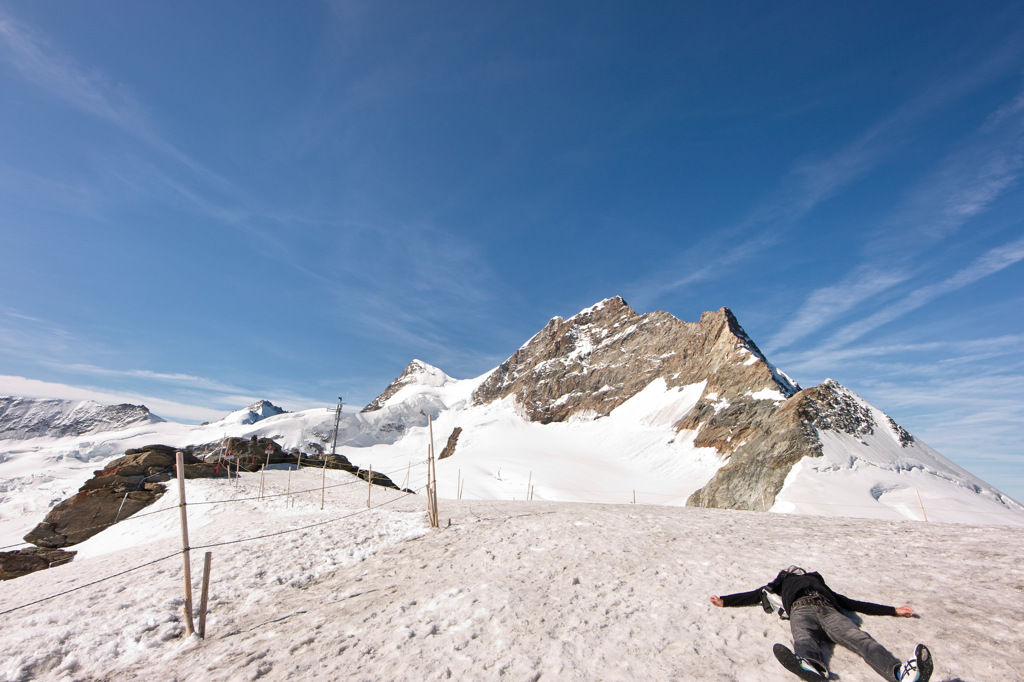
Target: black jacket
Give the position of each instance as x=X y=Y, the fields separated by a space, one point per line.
x=791 y=586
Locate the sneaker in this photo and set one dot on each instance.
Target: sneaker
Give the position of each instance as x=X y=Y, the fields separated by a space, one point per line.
x=917 y=669
x=813 y=668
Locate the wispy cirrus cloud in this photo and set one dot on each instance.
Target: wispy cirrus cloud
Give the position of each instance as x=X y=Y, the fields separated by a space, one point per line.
x=40 y=63
x=827 y=304
x=814 y=180
x=988 y=264
x=89 y=90
x=964 y=185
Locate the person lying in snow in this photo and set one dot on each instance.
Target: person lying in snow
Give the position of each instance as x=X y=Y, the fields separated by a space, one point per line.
x=815 y=615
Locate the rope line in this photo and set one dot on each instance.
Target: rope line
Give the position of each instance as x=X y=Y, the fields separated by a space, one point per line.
x=94 y=582
x=293 y=530
x=208 y=546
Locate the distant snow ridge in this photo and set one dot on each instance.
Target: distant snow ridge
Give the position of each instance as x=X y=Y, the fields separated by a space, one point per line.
x=24 y=418
x=258 y=411
x=417 y=373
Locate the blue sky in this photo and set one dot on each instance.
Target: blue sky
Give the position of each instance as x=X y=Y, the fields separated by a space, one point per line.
x=202 y=204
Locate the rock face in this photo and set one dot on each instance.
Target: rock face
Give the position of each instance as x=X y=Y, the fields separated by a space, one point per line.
x=453 y=441
x=22 y=418
x=120 y=489
x=30 y=560
x=596 y=360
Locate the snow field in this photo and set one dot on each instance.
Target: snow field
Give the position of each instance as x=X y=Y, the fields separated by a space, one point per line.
x=512 y=590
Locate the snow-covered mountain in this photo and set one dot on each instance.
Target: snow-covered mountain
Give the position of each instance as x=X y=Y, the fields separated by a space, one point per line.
x=606 y=406
x=22 y=418
x=259 y=410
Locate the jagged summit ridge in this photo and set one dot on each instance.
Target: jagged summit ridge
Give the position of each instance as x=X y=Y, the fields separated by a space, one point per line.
x=607 y=353
x=258 y=411
x=23 y=418
x=416 y=373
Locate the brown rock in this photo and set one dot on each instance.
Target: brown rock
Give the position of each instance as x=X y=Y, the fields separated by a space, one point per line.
x=598 y=359
x=29 y=560
x=449 y=448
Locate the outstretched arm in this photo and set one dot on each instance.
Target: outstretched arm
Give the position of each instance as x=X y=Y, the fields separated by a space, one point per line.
x=717 y=601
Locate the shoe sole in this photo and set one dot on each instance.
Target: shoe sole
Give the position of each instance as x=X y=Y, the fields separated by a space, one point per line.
x=924 y=663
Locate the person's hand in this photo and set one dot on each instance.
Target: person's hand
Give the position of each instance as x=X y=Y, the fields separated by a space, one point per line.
x=717 y=601
x=904 y=611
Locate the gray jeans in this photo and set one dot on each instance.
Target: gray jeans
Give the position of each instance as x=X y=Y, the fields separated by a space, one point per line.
x=812 y=624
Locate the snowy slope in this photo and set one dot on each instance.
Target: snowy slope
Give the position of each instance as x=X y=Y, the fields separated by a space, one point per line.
x=22 y=418
x=523 y=591
x=886 y=474
x=633 y=454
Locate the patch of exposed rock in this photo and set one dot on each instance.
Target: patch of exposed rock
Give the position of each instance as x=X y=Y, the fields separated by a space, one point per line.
x=771 y=439
x=596 y=360
x=453 y=440
x=29 y=560
x=120 y=489
x=761 y=444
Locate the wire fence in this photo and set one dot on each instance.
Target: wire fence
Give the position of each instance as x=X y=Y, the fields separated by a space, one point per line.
x=418 y=487
x=405 y=494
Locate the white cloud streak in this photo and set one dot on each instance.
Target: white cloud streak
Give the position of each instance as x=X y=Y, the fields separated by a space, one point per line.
x=988 y=264
x=42 y=64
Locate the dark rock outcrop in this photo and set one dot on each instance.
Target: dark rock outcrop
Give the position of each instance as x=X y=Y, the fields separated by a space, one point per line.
x=117 y=491
x=29 y=560
x=453 y=440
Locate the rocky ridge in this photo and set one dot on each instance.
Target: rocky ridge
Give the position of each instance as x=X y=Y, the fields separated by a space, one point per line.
x=416 y=372
x=759 y=421
x=596 y=360
x=23 y=418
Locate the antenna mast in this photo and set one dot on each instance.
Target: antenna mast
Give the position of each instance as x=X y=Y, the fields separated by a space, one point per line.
x=337 y=418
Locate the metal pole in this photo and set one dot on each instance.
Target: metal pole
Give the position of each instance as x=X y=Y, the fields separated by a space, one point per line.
x=337 y=419
x=189 y=624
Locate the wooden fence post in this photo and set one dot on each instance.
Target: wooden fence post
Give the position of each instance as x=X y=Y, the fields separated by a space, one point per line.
x=369 y=485
x=323 y=484
x=432 y=477
x=189 y=623
x=921 y=503
x=205 y=595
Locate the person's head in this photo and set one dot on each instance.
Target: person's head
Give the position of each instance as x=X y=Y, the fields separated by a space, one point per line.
x=795 y=570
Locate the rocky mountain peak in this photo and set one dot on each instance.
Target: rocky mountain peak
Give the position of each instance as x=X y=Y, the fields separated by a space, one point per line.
x=265 y=408
x=607 y=353
x=417 y=373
